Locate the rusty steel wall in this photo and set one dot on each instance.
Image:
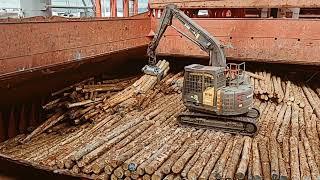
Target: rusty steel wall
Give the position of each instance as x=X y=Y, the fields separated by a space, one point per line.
x=190 y=4
x=27 y=46
x=262 y=40
x=19 y=118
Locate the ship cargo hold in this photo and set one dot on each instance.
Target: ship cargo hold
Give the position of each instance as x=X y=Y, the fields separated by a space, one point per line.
x=75 y=103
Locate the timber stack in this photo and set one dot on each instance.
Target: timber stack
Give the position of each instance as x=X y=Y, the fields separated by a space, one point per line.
x=133 y=133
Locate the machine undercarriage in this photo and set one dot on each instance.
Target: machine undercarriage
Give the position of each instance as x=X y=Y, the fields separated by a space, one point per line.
x=244 y=124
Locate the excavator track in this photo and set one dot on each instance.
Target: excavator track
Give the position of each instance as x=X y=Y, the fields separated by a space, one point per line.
x=243 y=124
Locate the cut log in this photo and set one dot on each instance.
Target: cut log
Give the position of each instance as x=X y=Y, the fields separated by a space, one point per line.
x=256 y=165
x=59 y=116
x=197 y=168
x=214 y=158
x=256 y=76
x=264 y=156
x=286 y=154
x=278 y=122
x=220 y=165
x=285 y=124
x=166 y=167
x=311 y=101
x=274 y=159
x=282 y=165
x=304 y=167
x=310 y=157
x=234 y=159
x=287 y=91
x=183 y=162
x=294 y=158
x=295 y=121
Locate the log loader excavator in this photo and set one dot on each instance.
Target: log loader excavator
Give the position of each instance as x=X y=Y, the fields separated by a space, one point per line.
x=217 y=96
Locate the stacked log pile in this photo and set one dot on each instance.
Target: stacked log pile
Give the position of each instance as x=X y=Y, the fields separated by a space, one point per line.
x=134 y=135
x=269 y=86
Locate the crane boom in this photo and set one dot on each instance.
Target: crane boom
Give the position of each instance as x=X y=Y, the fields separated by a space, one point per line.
x=199 y=36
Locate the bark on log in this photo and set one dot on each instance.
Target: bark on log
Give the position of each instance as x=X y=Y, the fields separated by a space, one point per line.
x=295 y=121
x=282 y=165
x=189 y=154
x=166 y=167
x=304 y=166
x=286 y=154
x=285 y=124
x=310 y=157
x=273 y=120
x=214 y=158
x=264 y=156
x=197 y=168
x=234 y=159
x=164 y=154
x=274 y=158
x=311 y=100
x=294 y=158
x=287 y=91
x=256 y=165
x=256 y=76
x=220 y=165
x=278 y=122
x=46 y=125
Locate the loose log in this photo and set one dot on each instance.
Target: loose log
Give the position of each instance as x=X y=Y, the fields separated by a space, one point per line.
x=273 y=120
x=285 y=124
x=196 y=170
x=274 y=161
x=220 y=165
x=310 y=157
x=287 y=91
x=282 y=165
x=256 y=86
x=234 y=159
x=294 y=158
x=46 y=125
x=214 y=158
x=264 y=123
x=304 y=167
x=179 y=165
x=164 y=153
x=249 y=171
x=256 y=76
x=295 y=121
x=166 y=167
x=265 y=162
x=302 y=125
x=311 y=101
x=278 y=122
x=311 y=131
x=286 y=154
x=89 y=101
x=256 y=165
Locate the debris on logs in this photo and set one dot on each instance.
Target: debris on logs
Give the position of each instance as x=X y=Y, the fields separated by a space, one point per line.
x=107 y=128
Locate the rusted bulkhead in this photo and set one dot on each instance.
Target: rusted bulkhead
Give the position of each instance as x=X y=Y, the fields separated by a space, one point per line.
x=288 y=41
x=32 y=44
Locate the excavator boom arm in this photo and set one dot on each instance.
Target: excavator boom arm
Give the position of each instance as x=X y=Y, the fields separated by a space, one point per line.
x=199 y=36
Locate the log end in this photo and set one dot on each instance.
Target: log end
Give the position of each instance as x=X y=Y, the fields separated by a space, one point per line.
x=240 y=175
x=283 y=178
x=96 y=168
x=257 y=177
